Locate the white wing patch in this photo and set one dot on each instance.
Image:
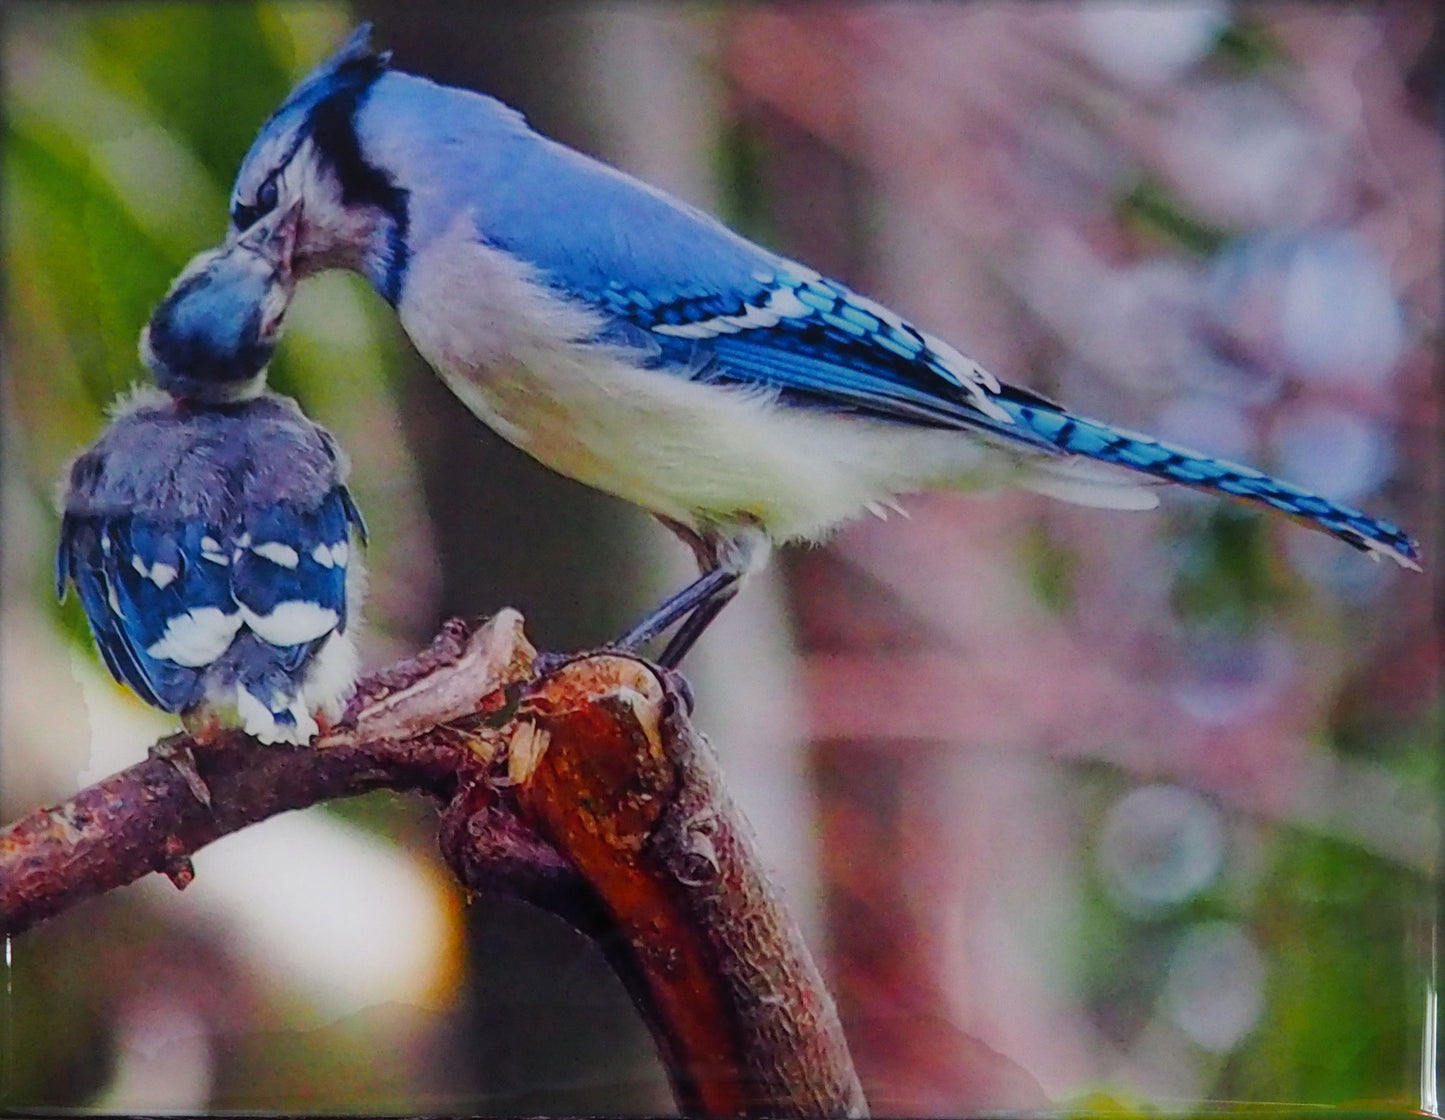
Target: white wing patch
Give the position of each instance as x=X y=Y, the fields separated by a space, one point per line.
x=331 y=556
x=969 y=376
x=292 y=622
x=276 y=552
x=782 y=303
x=197 y=637
x=162 y=575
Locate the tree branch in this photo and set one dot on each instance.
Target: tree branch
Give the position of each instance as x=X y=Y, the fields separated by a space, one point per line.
x=583 y=789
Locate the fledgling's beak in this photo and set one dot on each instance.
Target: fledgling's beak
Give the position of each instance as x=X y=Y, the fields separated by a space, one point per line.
x=273 y=238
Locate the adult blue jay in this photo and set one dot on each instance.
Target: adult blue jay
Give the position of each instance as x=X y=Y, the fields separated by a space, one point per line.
x=637 y=344
x=207 y=530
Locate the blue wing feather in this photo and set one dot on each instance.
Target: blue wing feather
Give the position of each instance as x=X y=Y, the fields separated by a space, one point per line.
x=651 y=264
x=149 y=602
x=79 y=561
x=316 y=568
x=124 y=616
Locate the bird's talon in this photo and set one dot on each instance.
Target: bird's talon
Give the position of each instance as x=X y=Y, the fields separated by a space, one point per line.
x=545 y=664
x=184 y=760
x=683 y=687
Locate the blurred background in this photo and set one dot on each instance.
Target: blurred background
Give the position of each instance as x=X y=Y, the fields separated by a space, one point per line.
x=1079 y=809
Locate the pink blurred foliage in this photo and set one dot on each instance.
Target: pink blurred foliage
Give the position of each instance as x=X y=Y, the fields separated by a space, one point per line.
x=948 y=703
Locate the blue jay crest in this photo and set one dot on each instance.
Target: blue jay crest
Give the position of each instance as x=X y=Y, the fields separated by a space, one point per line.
x=352 y=68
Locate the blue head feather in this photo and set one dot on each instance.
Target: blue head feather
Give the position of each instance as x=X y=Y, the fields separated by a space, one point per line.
x=345 y=75
x=211 y=336
x=207 y=332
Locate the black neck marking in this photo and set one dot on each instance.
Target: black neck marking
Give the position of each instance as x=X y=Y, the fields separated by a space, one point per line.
x=333 y=131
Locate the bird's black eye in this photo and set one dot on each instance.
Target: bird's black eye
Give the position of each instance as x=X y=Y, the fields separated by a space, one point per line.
x=243 y=217
x=266 y=197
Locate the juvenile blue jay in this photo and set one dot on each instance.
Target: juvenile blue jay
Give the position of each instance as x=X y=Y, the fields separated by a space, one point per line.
x=207 y=530
x=637 y=344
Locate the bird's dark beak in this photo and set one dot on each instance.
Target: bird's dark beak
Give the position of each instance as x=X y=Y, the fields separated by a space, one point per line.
x=274 y=238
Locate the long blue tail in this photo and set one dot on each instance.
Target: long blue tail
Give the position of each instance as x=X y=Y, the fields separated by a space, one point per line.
x=1091 y=439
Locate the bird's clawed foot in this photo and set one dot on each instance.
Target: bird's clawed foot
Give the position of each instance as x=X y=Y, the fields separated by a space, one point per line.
x=545 y=664
x=695 y=606
x=683 y=687
x=177 y=751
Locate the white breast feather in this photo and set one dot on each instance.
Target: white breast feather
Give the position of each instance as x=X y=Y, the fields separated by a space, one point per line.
x=699 y=453
x=702 y=454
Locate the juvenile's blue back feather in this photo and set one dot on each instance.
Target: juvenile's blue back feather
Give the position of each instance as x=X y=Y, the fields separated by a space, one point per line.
x=188 y=608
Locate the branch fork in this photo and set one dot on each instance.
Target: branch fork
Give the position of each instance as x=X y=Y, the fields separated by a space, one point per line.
x=576 y=783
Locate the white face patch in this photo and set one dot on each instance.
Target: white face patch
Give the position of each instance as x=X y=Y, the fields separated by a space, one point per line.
x=277 y=553
x=197 y=637
x=292 y=623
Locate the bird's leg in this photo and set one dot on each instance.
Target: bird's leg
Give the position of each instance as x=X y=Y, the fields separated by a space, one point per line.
x=696 y=596
x=725 y=559
x=694 y=624
x=203 y=726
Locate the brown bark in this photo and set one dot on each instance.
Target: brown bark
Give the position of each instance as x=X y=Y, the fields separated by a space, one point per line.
x=582 y=788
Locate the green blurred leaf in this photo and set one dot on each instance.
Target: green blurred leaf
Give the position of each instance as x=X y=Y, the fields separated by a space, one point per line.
x=1228 y=573
x=1245 y=46
x=1155 y=211
x=1051 y=564
x=1342 y=1022
x=207 y=72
